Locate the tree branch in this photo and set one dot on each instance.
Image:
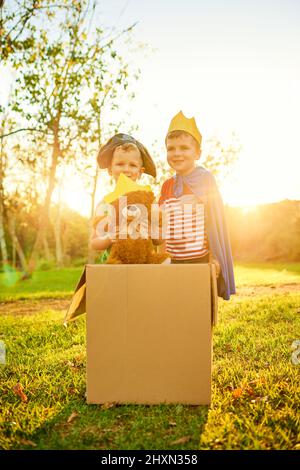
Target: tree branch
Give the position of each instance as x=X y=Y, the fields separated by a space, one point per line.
x=22 y=130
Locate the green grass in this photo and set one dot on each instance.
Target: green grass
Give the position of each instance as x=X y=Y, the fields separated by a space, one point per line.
x=49 y=361
x=60 y=283
x=266 y=274
x=255 y=400
x=56 y=283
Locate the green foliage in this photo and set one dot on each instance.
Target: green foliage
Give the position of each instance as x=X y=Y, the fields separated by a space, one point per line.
x=219 y=157
x=74 y=233
x=65 y=72
x=45 y=265
x=269 y=232
x=68 y=72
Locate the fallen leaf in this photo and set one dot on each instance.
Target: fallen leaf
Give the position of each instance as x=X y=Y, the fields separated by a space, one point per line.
x=70 y=364
x=107 y=405
x=229 y=387
x=181 y=440
x=237 y=392
x=172 y=423
x=72 y=416
x=259 y=399
x=27 y=442
x=79 y=358
x=18 y=390
x=250 y=391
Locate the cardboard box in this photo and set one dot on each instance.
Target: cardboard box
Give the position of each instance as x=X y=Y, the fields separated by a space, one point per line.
x=149 y=333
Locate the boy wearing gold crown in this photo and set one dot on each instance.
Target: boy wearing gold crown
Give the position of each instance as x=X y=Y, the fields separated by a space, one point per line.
x=196 y=226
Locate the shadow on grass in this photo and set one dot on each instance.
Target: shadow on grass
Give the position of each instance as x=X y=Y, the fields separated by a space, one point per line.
x=82 y=426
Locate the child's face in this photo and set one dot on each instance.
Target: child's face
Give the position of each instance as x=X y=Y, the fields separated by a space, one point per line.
x=128 y=162
x=182 y=153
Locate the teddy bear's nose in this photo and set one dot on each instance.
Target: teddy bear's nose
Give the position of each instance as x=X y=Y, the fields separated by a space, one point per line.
x=131 y=211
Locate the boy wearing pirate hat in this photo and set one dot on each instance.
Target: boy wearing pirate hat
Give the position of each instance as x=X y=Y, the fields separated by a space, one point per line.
x=121 y=154
x=196 y=231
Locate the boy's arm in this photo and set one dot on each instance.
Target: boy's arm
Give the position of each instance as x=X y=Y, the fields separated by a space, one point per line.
x=99 y=244
x=100 y=241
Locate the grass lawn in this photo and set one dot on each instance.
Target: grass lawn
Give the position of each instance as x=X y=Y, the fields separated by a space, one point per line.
x=266 y=274
x=60 y=283
x=256 y=397
x=44 y=284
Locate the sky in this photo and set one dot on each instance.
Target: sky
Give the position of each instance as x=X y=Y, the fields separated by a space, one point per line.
x=235 y=67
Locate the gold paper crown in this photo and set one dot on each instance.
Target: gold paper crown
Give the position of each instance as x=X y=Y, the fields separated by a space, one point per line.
x=124 y=185
x=182 y=123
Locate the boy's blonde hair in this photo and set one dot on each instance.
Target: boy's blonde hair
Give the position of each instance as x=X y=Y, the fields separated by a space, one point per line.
x=128 y=146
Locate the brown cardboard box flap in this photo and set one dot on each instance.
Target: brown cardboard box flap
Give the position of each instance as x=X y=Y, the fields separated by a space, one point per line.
x=77 y=305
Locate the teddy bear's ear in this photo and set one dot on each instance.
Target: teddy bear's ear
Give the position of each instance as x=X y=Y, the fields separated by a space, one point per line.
x=98 y=219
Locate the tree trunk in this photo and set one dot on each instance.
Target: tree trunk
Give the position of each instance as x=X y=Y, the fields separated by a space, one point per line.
x=12 y=221
x=57 y=233
x=17 y=246
x=91 y=253
x=93 y=195
x=3 y=246
x=14 y=260
x=44 y=214
x=47 y=253
x=2 y=236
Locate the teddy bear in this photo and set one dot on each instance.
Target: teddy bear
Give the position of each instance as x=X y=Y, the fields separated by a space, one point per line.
x=132 y=221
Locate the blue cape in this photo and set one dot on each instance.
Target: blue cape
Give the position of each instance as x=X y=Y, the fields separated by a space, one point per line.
x=202 y=183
